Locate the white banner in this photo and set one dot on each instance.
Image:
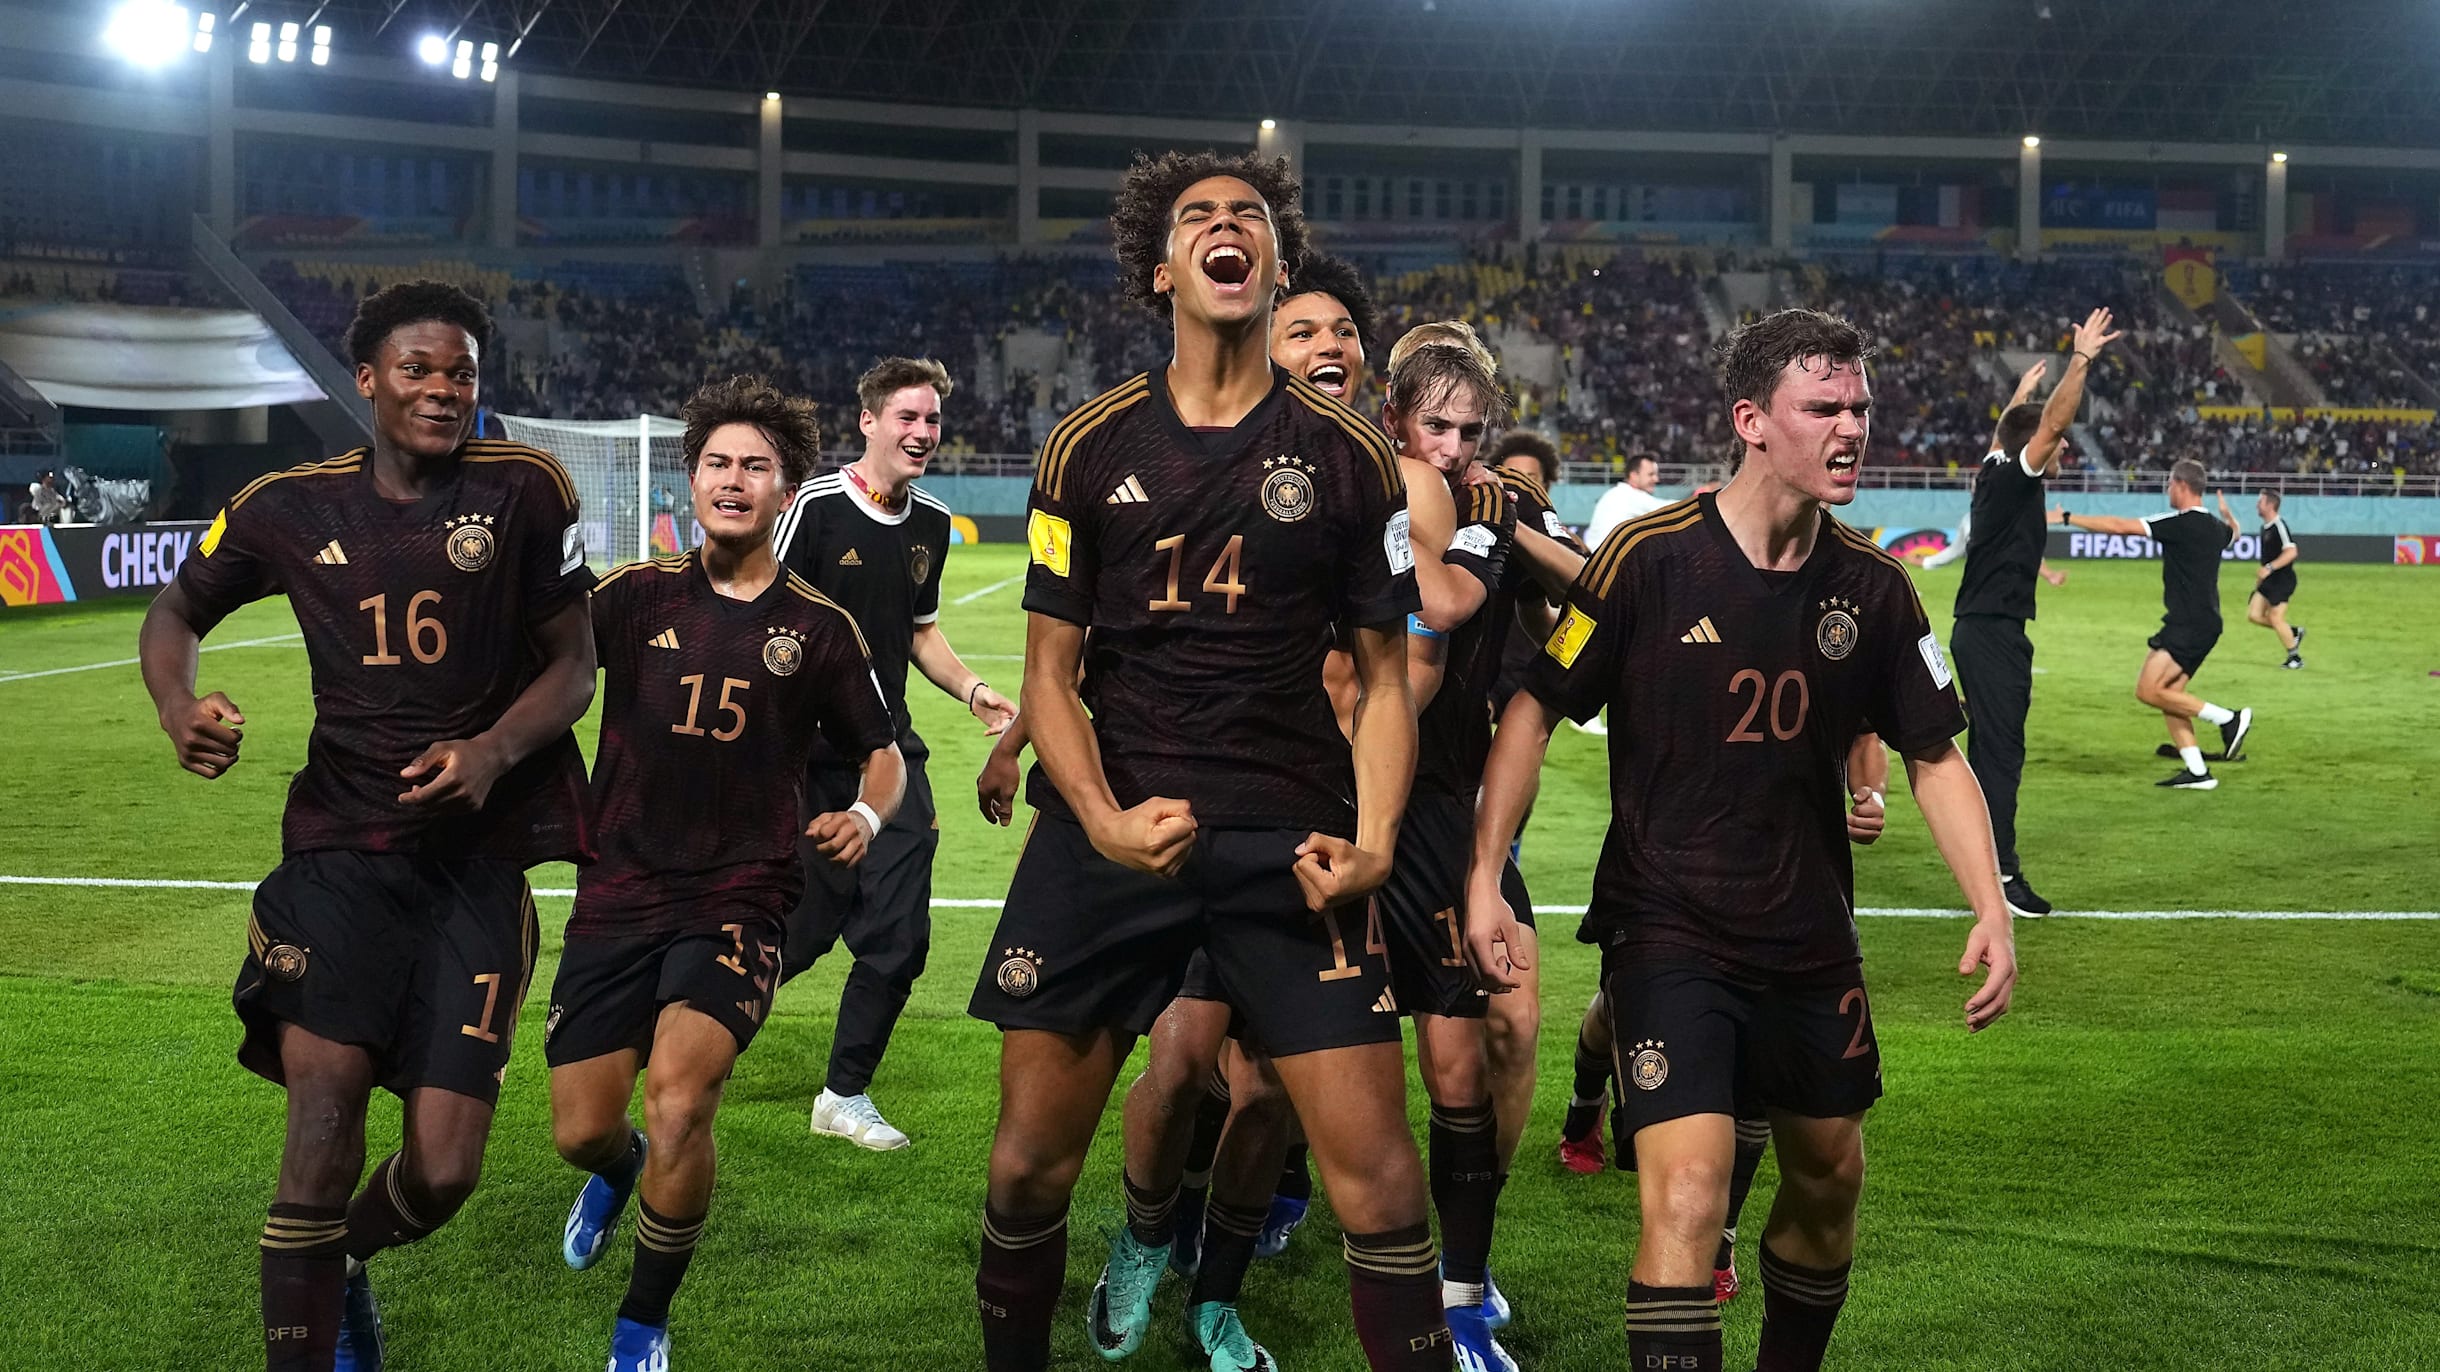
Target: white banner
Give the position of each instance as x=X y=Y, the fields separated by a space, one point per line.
x=133 y=357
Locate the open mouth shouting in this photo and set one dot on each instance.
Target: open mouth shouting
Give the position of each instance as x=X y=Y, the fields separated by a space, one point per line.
x=1229 y=268
x=1843 y=464
x=1330 y=376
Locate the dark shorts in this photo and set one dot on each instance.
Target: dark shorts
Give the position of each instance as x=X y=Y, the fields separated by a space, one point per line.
x=1084 y=944
x=2186 y=647
x=420 y=961
x=610 y=991
x=2278 y=588
x=1422 y=910
x=882 y=906
x=1690 y=1039
x=1512 y=889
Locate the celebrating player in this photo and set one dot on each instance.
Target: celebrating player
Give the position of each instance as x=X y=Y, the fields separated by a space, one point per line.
x=870 y=539
x=1743 y=638
x=1995 y=596
x=1208 y=523
x=2190 y=546
x=440 y=585
x=723 y=668
x=2275 y=579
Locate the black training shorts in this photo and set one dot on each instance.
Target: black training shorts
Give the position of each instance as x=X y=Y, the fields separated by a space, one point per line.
x=610 y=991
x=1085 y=944
x=421 y=961
x=1691 y=1039
x=2186 y=647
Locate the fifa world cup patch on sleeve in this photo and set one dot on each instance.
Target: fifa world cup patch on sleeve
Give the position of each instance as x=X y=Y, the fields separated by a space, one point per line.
x=211 y=536
x=1550 y=522
x=1048 y=535
x=1396 y=544
x=1568 y=640
x=571 y=548
x=1477 y=539
x=1934 y=660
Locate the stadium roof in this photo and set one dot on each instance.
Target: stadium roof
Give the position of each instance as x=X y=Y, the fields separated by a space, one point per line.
x=2338 y=72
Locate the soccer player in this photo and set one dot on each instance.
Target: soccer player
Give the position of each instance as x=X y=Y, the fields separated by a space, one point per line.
x=1208 y=799
x=722 y=668
x=2190 y=546
x=870 y=539
x=1629 y=499
x=1744 y=638
x=440 y=585
x=1322 y=324
x=2275 y=579
x=1995 y=597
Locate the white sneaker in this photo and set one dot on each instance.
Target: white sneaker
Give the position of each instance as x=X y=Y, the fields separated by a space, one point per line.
x=855 y=1119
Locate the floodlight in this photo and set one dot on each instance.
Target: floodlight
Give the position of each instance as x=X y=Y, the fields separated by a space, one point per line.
x=771 y=95
x=491 y=52
x=2033 y=140
x=321 y=35
x=465 y=59
x=321 y=56
x=259 y=50
x=1269 y=124
x=205 y=23
x=2280 y=158
x=147 y=33
x=491 y=71
x=433 y=49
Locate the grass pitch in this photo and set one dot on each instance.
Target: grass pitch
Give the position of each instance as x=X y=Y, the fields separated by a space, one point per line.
x=2195 y=1144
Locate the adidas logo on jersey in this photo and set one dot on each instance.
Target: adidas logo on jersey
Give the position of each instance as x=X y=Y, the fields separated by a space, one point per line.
x=331 y=555
x=1388 y=1004
x=849 y=559
x=667 y=638
x=1128 y=492
x=1702 y=632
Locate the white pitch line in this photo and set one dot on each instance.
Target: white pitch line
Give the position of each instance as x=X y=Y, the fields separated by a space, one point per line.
x=130 y=662
x=1000 y=585
x=943 y=903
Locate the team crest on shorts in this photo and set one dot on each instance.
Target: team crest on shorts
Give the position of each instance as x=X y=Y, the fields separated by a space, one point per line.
x=919 y=563
x=469 y=542
x=1648 y=1068
x=284 y=961
x=1837 y=632
x=1020 y=973
x=1287 y=492
x=550 y=1026
x=784 y=652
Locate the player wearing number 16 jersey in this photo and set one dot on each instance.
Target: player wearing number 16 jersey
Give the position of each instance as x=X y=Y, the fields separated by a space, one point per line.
x=440 y=585
x=1209 y=523
x=723 y=668
x=1742 y=640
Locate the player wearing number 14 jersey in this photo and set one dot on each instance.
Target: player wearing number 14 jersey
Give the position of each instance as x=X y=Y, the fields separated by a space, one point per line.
x=723 y=670
x=440 y=585
x=1742 y=640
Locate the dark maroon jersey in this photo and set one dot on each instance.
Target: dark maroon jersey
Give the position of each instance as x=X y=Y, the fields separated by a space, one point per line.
x=418 y=620
x=711 y=707
x=1211 y=568
x=1734 y=695
x=1453 y=732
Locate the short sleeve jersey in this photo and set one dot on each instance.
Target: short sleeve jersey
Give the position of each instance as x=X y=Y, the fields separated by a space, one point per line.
x=418 y=621
x=1734 y=695
x=1211 y=569
x=1453 y=732
x=2191 y=542
x=709 y=708
x=882 y=566
x=1518 y=650
x=2005 y=536
x=2274 y=540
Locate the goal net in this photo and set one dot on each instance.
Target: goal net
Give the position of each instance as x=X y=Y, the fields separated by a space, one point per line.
x=630 y=478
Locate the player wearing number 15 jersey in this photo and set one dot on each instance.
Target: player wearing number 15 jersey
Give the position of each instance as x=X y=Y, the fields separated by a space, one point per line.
x=724 y=669
x=440 y=585
x=1208 y=523
x=1742 y=640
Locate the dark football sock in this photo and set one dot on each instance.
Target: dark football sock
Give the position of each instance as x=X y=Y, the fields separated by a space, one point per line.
x=1465 y=1189
x=664 y=1245
x=304 y=1253
x=629 y=1163
x=1392 y=1285
x=1211 y=1118
x=1677 y=1327
x=380 y=1216
x=1148 y=1211
x=1753 y=1140
x=1592 y=1075
x=1229 y=1232
x=1017 y=1287
x=1800 y=1307
x=1295 y=1180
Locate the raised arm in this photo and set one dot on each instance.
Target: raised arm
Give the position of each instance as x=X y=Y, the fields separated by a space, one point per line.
x=2042 y=450
x=1450 y=595
x=2101 y=524
x=2026 y=385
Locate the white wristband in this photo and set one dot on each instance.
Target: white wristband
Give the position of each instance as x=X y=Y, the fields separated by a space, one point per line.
x=872 y=821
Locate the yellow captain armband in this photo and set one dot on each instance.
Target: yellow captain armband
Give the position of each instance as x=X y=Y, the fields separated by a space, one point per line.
x=1048 y=536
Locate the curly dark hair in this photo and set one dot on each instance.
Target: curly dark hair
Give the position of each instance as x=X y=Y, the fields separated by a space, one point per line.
x=1752 y=357
x=1527 y=443
x=1139 y=219
x=891 y=375
x=787 y=420
x=1320 y=273
x=392 y=308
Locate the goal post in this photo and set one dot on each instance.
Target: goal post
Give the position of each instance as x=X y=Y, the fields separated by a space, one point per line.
x=630 y=477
